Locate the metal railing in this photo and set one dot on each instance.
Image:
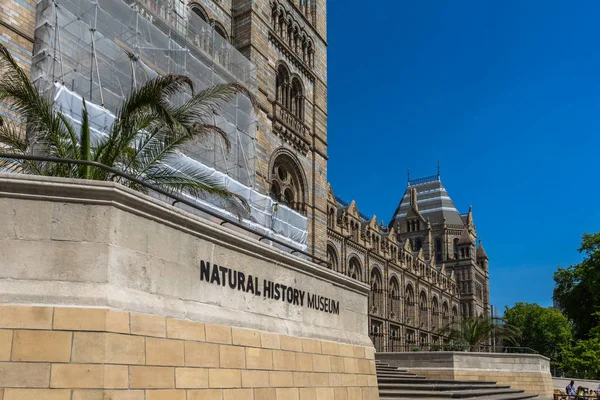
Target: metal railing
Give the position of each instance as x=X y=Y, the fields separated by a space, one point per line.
x=177 y=198
x=406 y=345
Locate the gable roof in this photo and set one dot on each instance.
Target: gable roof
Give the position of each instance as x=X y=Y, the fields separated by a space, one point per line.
x=330 y=195
x=433 y=202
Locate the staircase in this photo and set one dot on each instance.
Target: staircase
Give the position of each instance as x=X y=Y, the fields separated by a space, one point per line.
x=398 y=384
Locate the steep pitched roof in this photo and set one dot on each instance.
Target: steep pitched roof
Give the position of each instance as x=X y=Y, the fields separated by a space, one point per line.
x=352 y=210
x=372 y=223
x=481 y=252
x=433 y=202
x=465 y=238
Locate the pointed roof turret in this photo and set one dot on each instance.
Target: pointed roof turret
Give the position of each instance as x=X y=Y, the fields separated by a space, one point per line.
x=413 y=199
x=330 y=195
x=465 y=238
x=481 y=252
x=469 y=220
x=429 y=198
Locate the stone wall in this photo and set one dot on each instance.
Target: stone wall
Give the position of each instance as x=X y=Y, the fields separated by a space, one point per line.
x=59 y=353
x=528 y=372
x=102 y=294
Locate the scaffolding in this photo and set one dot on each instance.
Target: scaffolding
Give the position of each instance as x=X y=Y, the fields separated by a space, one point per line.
x=99 y=50
x=102 y=49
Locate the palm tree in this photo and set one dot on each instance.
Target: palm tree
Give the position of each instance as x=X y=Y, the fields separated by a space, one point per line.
x=144 y=140
x=474 y=333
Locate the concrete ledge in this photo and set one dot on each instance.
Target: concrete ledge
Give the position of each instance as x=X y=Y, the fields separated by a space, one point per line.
x=87 y=243
x=529 y=372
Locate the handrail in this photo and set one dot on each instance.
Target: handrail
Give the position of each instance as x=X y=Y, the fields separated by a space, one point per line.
x=177 y=198
x=418 y=181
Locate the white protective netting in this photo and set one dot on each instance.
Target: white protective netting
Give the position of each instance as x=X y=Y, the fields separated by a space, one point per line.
x=100 y=49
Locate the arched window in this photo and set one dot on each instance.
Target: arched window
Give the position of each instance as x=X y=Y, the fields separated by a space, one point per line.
x=376 y=292
x=455 y=247
x=297 y=99
x=354 y=269
x=282 y=81
x=199 y=11
x=355 y=231
x=409 y=305
x=332 y=257
x=423 y=310
x=418 y=244
x=445 y=314
x=310 y=55
x=331 y=218
x=435 y=313
x=438 y=249
x=220 y=30
x=394 y=298
x=287 y=182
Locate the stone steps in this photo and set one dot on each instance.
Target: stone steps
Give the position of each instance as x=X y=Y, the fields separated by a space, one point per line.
x=401 y=384
x=521 y=396
x=439 y=386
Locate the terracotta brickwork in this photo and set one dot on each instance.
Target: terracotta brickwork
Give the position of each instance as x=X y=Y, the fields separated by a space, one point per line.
x=56 y=353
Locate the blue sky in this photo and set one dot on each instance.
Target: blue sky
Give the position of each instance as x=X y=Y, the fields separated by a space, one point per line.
x=506 y=95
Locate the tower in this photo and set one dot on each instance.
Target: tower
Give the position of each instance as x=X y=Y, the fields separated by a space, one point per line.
x=448 y=237
x=286 y=40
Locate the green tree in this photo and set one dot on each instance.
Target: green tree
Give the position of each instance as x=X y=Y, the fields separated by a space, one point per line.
x=544 y=329
x=144 y=140
x=474 y=333
x=583 y=360
x=576 y=288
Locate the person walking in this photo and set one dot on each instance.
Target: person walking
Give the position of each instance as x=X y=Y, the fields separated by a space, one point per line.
x=570 y=389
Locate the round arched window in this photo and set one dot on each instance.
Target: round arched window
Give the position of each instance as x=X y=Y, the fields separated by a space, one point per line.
x=287 y=183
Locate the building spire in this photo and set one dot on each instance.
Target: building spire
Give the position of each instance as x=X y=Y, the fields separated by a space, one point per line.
x=413 y=199
x=408 y=173
x=438 y=169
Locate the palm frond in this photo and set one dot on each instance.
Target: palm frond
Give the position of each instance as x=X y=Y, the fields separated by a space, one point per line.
x=202 y=131
x=153 y=95
x=17 y=89
x=148 y=130
x=157 y=149
x=21 y=166
x=13 y=138
x=203 y=105
x=477 y=331
x=147 y=103
x=183 y=178
x=85 y=151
